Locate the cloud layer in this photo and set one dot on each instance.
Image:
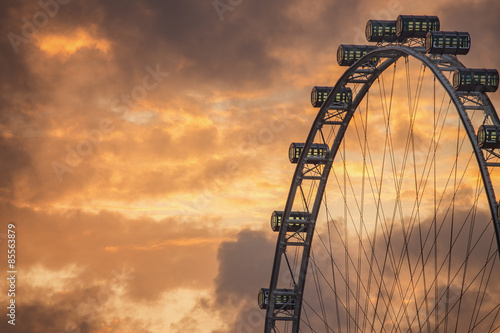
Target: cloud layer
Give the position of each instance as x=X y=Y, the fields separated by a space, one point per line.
x=138 y=140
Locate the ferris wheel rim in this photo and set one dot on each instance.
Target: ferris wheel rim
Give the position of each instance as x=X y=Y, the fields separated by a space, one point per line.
x=392 y=53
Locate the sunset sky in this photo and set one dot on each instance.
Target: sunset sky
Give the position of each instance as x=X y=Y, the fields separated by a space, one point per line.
x=143 y=147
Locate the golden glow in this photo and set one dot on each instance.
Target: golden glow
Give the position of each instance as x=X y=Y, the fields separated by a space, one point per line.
x=69 y=44
x=198 y=241
x=185 y=242
x=58 y=133
x=54 y=281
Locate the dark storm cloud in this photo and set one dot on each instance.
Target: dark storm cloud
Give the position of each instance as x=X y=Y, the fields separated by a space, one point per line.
x=244 y=265
x=20 y=92
x=244 y=268
x=14 y=160
x=38 y=317
x=15 y=74
x=166 y=32
x=235 y=51
x=480 y=19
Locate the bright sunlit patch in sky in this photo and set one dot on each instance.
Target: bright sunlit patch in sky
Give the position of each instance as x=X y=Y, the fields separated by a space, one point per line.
x=140 y=117
x=55 y=281
x=68 y=44
x=198 y=241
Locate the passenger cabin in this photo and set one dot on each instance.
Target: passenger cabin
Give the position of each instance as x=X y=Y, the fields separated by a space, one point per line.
x=488 y=136
x=318 y=150
x=319 y=95
x=447 y=42
x=298 y=224
x=283 y=302
x=475 y=79
x=347 y=54
x=415 y=26
x=381 y=31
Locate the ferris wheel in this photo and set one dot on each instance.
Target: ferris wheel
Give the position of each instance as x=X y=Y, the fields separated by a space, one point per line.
x=395 y=185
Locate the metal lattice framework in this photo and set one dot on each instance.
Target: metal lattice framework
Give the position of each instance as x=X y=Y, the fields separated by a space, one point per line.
x=313 y=173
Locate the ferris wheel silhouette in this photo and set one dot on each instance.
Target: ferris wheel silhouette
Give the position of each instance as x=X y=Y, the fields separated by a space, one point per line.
x=394 y=185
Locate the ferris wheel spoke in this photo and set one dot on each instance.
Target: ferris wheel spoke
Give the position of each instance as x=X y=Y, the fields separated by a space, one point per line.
x=480 y=297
